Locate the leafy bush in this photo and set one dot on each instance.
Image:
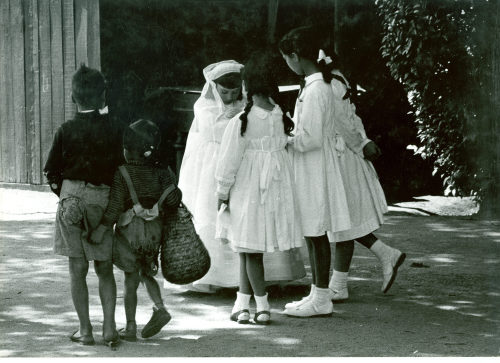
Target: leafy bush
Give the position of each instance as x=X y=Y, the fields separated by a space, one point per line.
x=440 y=52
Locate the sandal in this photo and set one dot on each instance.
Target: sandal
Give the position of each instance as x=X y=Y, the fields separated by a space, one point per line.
x=113 y=342
x=241 y=317
x=264 y=313
x=82 y=339
x=128 y=335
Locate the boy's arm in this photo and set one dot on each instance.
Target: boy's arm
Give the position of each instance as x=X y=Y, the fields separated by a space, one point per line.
x=167 y=178
x=55 y=164
x=116 y=203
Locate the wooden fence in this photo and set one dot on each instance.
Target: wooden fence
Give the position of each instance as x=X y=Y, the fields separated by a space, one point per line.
x=41 y=43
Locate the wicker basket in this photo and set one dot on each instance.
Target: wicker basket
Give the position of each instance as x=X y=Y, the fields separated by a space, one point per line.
x=183 y=256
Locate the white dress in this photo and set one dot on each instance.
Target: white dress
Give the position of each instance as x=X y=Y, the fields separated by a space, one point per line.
x=254 y=171
x=318 y=182
x=365 y=196
x=197 y=182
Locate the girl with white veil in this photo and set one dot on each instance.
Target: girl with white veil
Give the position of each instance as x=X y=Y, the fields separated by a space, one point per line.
x=220 y=100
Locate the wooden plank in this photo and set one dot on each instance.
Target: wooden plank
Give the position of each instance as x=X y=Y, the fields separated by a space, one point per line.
x=32 y=92
x=69 y=56
x=18 y=97
x=4 y=94
x=45 y=78
x=93 y=35
x=56 y=48
x=81 y=26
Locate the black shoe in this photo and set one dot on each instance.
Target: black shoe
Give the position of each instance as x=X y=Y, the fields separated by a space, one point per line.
x=159 y=319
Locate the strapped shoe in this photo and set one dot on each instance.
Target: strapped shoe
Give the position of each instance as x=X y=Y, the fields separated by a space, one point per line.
x=82 y=339
x=265 y=317
x=114 y=342
x=241 y=317
x=130 y=335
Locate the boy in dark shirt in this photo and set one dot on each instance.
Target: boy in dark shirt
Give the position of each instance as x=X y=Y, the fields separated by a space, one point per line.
x=84 y=156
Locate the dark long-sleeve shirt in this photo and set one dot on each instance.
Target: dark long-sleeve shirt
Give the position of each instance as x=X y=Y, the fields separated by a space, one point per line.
x=87 y=148
x=149 y=183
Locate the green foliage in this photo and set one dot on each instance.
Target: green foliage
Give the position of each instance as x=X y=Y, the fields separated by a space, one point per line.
x=439 y=51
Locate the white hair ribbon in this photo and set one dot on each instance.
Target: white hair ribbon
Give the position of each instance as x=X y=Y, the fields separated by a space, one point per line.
x=323 y=56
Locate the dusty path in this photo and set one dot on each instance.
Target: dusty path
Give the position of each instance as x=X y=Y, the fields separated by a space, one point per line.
x=445 y=302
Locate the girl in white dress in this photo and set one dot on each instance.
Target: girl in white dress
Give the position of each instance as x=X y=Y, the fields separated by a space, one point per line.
x=254 y=186
x=319 y=185
x=220 y=100
x=365 y=198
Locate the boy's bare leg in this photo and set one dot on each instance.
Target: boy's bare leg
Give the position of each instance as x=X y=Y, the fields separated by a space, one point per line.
x=160 y=314
x=78 y=269
x=132 y=281
x=153 y=290
x=107 y=293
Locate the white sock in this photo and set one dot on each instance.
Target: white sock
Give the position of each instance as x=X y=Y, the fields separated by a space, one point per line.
x=338 y=281
x=242 y=302
x=322 y=296
x=313 y=288
x=262 y=303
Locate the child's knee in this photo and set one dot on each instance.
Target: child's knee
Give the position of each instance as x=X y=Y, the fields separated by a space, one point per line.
x=132 y=280
x=103 y=268
x=78 y=267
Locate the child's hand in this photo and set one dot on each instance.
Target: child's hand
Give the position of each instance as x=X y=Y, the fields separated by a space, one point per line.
x=371 y=151
x=98 y=234
x=220 y=202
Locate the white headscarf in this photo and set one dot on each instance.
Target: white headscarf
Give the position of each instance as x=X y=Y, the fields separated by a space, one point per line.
x=213 y=72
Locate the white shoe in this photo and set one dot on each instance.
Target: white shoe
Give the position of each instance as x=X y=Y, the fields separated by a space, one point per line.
x=391 y=259
x=339 y=295
x=310 y=309
x=295 y=304
x=305 y=299
x=391 y=269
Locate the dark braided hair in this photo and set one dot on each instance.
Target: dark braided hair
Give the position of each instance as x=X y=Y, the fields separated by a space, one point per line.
x=306 y=43
x=259 y=75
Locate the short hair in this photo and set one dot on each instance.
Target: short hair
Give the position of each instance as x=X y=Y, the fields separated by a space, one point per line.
x=87 y=86
x=229 y=80
x=141 y=136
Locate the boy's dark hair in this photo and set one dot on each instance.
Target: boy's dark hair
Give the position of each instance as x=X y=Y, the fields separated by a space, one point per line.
x=306 y=42
x=260 y=78
x=142 y=136
x=229 y=80
x=87 y=87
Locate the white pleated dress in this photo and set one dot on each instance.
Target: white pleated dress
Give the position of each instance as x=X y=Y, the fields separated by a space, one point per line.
x=319 y=184
x=254 y=171
x=365 y=196
x=197 y=182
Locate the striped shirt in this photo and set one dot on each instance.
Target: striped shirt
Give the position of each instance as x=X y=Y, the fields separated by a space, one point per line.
x=149 y=183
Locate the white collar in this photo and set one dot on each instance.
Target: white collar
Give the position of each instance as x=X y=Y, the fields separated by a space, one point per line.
x=102 y=111
x=313 y=77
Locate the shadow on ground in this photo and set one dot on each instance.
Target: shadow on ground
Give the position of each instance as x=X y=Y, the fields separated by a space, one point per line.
x=445 y=302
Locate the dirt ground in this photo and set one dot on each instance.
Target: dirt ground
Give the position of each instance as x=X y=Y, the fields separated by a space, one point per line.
x=444 y=303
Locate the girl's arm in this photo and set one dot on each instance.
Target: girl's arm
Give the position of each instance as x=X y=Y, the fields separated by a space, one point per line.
x=347 y=123
x=312 y=118
x=232 y=148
